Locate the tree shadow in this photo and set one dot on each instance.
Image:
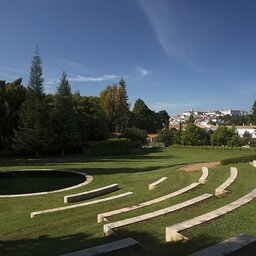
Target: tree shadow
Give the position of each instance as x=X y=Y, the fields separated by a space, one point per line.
x=79 y=158
x=150 y=244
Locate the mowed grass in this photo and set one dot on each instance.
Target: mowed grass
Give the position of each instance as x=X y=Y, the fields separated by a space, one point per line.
x=75 y=229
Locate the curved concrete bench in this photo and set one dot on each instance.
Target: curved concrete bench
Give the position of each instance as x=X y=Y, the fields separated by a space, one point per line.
x=253 y=163
x=108 y=228
x=154 y=184
x=205 y=173
x=90 y=194
x=33 y=214
x=105 y=248
x=226 y=247
x=172 y=232
x=221 y=189
x=103 y=216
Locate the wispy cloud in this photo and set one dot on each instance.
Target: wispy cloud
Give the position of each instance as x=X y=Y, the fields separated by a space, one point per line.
x=51 y=81
x=13 y=70
x=142 y=71
x=80 y=78
x=177 y=29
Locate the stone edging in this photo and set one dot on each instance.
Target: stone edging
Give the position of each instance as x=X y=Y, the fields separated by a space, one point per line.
x=89 y=179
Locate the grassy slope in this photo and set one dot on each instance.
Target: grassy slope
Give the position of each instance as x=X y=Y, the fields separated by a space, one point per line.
x=75 y=229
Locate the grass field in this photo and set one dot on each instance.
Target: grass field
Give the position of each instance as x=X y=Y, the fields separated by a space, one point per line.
x=71 y=230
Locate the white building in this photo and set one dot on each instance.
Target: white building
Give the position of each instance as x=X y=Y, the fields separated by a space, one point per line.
x=233 y=112
x=242 y=129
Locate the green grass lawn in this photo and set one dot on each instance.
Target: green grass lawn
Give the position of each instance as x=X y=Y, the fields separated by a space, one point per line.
x=62 y=232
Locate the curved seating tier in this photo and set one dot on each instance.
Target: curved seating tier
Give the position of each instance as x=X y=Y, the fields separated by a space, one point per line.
x=103 y=216
x=203 y=178
x=221 y=189
x=33 y=214
x=172 y=232
x=156 y=183
x=108 y=228
x=90 y=194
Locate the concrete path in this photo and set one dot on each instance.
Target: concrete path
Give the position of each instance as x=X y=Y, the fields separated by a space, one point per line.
x=105 y=248
x=226 y=247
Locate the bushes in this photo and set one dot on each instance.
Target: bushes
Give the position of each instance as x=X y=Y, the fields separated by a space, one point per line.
x=138 y=137
x=215 y=147
x=111 y=147
x=242 y=159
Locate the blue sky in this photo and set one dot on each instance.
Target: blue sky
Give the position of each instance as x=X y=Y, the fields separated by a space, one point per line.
x=173 y=54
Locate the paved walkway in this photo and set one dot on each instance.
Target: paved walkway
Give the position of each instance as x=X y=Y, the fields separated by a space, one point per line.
x=105 y=248
x=226 y=247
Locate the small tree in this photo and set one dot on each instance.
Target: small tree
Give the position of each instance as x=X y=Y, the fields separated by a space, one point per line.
x=138 y=137
x=167 y=136
x=194 y=136
x=253 y=115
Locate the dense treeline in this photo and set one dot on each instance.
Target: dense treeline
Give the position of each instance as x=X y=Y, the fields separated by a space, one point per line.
x=33 y=122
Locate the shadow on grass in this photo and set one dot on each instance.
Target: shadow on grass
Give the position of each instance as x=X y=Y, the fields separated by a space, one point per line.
x=151 y=245
x=136 y=155
x=109 y=171
x=161 y=248
x=46 y=245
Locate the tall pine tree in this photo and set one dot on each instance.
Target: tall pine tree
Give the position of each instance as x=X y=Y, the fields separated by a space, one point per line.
x=31 y=135
x=65 y=130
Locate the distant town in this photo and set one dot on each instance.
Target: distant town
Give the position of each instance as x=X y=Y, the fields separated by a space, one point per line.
x=210 y=120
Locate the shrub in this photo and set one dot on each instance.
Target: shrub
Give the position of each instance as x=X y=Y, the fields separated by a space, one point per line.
x=138 y=137
x=242 y=159
x=111 y=147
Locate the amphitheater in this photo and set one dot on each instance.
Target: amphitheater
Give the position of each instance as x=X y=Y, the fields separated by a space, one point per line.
x=182 y=212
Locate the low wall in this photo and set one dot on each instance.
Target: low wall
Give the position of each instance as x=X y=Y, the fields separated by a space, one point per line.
x=90 y=194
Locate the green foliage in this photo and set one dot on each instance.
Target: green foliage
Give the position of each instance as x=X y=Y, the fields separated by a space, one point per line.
x=114 y=103
x=226 y=148
x=253 y=116
x=92 y=123
x=194 y=136
x=241 y=159
x=111 y=147
x=224 y=136
x=236 y=120
x=12 y=96
x=138 y=137
x=167 y=136
x=31 y=136
x=146 y=119
x=64 y=123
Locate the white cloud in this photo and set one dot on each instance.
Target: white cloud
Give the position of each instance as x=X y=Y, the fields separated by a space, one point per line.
x=177 y=28
x=142 y=71
x=14 y=70
x=80 y=78
x=51 y=81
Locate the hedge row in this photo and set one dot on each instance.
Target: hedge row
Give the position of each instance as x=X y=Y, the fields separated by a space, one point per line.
x=241 y=159
x=215 y=147
x=111 y=147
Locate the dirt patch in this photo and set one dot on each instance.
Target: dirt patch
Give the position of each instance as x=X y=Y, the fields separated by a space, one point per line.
x=195 y=167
